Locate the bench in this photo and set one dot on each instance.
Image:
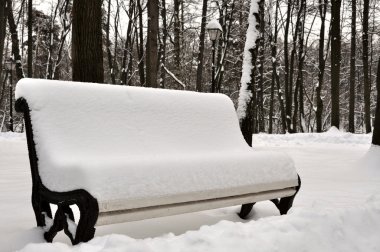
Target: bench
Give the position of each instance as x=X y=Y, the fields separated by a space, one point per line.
x=129 y=153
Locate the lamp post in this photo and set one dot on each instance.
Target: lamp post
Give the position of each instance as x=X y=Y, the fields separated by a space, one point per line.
x=214 y=31
x=9 y=67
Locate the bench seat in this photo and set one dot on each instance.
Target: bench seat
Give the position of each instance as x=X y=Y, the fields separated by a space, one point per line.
x=141 y=153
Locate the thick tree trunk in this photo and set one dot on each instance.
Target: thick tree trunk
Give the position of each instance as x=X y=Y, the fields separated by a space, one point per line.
x=87 y=51
x=201 y=47
x=376 y=128
x=367 y=84
x=152 y=45
x=335 y=61
x=15 y=41
x=247 y=93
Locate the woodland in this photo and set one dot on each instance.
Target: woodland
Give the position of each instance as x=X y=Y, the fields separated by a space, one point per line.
x=314 y=62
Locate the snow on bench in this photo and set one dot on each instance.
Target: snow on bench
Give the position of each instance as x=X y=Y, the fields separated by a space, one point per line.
x=128 y=153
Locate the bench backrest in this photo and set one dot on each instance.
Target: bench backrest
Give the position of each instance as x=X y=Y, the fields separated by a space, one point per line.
x=72 y=118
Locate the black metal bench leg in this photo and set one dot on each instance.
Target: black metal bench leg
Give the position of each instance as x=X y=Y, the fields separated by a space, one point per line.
x=40 y=206
x=245 y=210
x=89 y=211
x=284 y=204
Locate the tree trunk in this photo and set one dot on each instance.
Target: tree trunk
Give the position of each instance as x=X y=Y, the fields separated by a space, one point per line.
x=128 y=49
x=376 y=128
x=30 y=38
x=367 y=84
x=351 y=114
x=321 y=65
x=177 y=29
x=108 y=44
x=335 y=61
x=87 y=51
x=141 y=45
x=163 y=44
x=152 y=45
x=247 y=90
x=15 y=41
x=288 y=95
x=3 y=24
x=260 y=86
x=201 y=47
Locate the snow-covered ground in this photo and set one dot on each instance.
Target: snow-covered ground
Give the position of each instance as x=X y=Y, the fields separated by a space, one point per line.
x=337 y=209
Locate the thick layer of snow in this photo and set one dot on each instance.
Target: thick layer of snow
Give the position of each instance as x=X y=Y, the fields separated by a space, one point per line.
x=136 y=147
x=336 y=209
x=214 y=24
x=250 y=43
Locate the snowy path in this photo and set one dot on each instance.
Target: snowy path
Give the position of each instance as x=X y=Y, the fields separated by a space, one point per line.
x=331 y=213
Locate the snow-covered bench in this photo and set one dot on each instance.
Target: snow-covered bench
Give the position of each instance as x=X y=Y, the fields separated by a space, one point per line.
x=129 y=153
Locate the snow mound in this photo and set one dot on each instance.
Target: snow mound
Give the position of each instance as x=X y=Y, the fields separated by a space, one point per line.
x=353 y=229
x=333 y=136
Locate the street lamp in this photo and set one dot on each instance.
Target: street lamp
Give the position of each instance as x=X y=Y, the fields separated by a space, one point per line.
x=214 y=31
x=9 y=68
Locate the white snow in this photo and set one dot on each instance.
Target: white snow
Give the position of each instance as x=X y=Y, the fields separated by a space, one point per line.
x=337 y=209
x=214 y=24
x=250 y=43
x=134 y=147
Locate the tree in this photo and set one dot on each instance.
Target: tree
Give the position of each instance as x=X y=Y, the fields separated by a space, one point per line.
x=151 y=45
x=321 y=64
x=351 y=114
x=30 y=38
x=3 y=24
x=87 y=52
x=376 y=129
x=335 y=61
x=247 y=92
x=201 y=47
x=367 y=85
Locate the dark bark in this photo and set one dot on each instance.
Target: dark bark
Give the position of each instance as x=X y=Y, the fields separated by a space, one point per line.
x=321 y=65
x=30 y=38
x=288 y=94
x=108 y=44
x=152 y=44
x=128 y=49
x=367 y=84
x=177 y=29
x=87 y=52
x=163 y=44
x=15 y=41
x=260 y=86
x=376 y=128
x=351 y=114
x=3 y=24
x=140 y=44
x=335 y=61
x=201 y=47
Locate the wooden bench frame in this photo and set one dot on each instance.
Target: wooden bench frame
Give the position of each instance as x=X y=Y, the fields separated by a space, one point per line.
x=42 y=197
